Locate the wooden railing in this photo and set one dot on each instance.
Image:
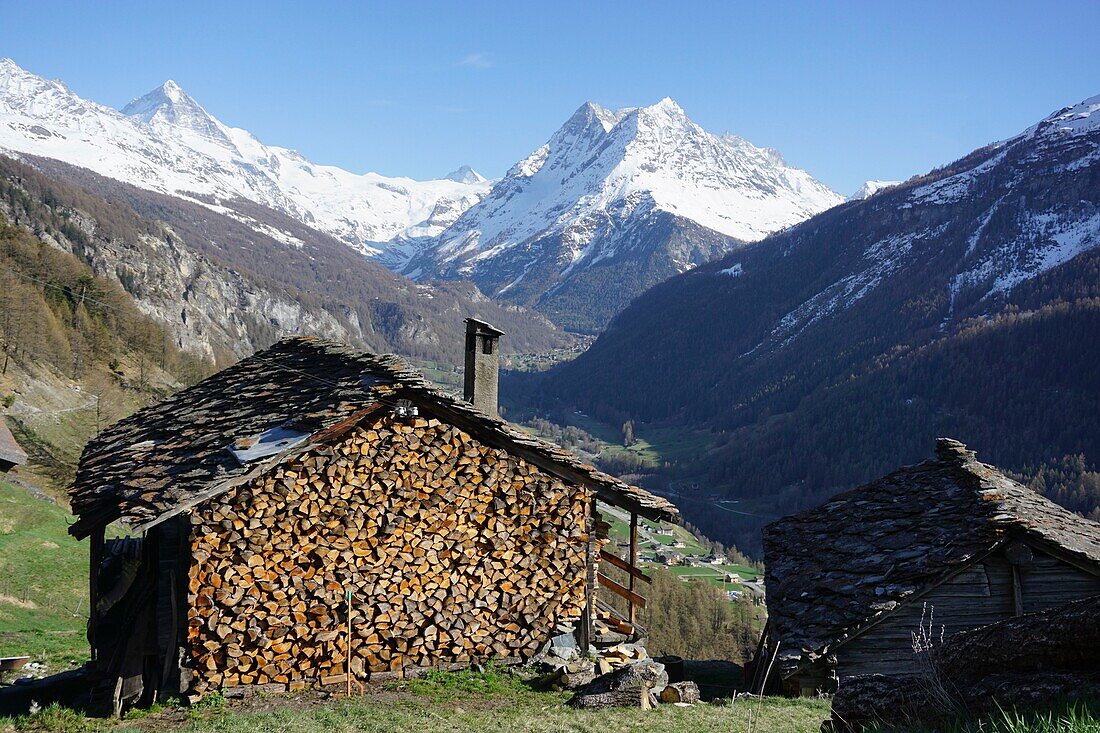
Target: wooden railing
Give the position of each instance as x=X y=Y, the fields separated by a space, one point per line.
x=630 y=567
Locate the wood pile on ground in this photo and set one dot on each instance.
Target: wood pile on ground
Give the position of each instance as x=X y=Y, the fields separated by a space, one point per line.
x=635 y=685
x=622 y=675
x=453 y=552
x=1024 y=663
x=680 y=692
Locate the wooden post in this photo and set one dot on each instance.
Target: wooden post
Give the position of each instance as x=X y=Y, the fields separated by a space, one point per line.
x=1017 y=591
x=95 y=557
x=633 y=560
x=587 y=616
x=348 y=660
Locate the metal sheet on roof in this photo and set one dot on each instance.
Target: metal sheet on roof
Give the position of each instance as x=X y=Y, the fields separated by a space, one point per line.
x=268 y=443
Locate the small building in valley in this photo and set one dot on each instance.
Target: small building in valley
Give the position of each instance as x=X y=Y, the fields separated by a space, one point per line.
x=11 y=455
x=316 y=515
x=910 y=559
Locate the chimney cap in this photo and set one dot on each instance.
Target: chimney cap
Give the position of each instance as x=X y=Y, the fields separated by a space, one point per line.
x=479 y=326
x=949 y=449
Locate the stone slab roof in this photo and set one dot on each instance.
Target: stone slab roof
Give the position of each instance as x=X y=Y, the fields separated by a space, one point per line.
x=174 y=454
x=10 y=452
x=833 y=569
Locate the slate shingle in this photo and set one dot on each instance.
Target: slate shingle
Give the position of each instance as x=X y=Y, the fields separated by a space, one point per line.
x=166 y=454
x=832 y=569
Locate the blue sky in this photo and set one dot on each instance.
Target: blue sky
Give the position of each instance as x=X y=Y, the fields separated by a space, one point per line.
x=848 y=91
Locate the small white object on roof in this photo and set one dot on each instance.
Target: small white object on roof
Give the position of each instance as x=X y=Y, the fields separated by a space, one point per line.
x=268 y=443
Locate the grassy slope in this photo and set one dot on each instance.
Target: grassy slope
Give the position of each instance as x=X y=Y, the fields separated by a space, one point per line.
x=667 y=536
x=449 y=702
x=40 y=560
x=654 y=444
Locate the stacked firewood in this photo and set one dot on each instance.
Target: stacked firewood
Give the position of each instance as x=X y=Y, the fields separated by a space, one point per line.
x=453 y=552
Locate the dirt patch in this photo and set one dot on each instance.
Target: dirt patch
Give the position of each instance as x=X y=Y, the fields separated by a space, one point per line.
x=13 y=601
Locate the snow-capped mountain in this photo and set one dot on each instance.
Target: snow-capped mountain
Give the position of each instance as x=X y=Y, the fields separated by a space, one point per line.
x=870 y=188
x=634 y=194
x=166 y=142
x=962 y=302
x=1012 y=226
x=465 y=174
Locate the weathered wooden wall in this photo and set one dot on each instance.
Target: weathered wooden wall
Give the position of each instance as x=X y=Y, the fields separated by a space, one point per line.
x=455 y=552
x=980 y=595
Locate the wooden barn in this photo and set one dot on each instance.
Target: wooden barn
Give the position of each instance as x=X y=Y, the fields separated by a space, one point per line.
x=929 y=550
x=315 y=515
x=11 y=455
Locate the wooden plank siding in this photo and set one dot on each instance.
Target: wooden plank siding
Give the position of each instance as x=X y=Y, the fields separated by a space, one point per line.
x=978 y=596
x=1049 y=582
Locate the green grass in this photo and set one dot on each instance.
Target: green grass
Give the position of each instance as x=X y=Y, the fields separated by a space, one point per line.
x=663 y=536
x=443 y=374
x=39 y=561
x=743 y=570
x=451 y=685
x=445 y=704
x=714 y=574
x=462 y=703
x=654 y=444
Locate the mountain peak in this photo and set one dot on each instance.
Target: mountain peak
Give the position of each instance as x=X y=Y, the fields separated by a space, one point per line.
x=1077 y=118
x=669 y=105
x=169 y=104
x=465 y=174
x=587 y=114
x=870 y=188
x=10 y=69
x=172 y=90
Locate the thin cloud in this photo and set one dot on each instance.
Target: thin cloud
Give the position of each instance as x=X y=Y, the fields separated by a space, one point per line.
x=476 y=61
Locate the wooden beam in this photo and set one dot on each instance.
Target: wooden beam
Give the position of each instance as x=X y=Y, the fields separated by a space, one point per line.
x=1017 y=591
x=633 y=560
x=626 y=567
x=623 y=591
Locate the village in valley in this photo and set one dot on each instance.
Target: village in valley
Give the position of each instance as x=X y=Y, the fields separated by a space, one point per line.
x=646 y=428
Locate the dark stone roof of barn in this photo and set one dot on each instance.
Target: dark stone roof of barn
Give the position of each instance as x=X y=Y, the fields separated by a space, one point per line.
x=175 y=453
x=10 y=452
x=833 y=569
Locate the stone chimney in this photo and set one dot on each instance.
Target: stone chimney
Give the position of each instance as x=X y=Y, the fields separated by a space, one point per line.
x=952 y=451
x=482 y=365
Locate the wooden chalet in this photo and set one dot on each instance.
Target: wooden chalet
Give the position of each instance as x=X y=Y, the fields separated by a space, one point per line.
x=316 y=515
x=924 y=552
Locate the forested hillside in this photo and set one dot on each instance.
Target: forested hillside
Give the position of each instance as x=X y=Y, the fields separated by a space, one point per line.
x=227 y=283
x=76 y=353
x=54 y=311
x=964 y=303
